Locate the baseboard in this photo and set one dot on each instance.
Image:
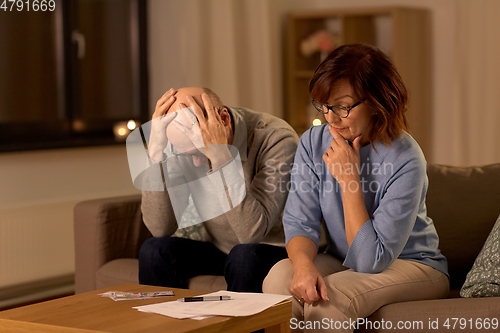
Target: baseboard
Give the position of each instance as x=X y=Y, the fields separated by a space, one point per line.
x=36 y=291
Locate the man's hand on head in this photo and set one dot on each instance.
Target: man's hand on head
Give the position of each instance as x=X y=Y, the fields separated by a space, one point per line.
x=158 y=139
x=214 y=132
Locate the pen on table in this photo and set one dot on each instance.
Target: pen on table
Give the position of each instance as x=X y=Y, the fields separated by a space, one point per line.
x=205 y=298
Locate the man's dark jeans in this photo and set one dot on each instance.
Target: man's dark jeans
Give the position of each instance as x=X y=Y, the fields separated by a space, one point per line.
x=172 y=261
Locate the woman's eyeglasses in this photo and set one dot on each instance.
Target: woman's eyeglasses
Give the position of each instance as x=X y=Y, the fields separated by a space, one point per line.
x=339 y=110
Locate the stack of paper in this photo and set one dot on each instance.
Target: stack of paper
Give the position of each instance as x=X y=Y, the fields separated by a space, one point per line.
x=240 y=304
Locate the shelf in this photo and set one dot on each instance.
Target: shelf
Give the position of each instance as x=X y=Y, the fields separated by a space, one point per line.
x=303 y=74
x=402 y=33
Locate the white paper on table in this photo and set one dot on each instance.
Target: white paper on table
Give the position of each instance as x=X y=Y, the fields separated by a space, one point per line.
x=178 y=315
x=181 y=315
x=201 y=317
x=240 y=304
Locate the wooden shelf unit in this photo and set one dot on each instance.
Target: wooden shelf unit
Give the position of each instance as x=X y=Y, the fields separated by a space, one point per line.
x=403 y=33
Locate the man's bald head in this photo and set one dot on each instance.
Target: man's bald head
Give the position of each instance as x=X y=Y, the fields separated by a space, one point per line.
x=195 y=92
x=187 y=118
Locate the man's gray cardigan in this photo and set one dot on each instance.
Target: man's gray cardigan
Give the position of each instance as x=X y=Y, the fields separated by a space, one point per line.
x=267 y=159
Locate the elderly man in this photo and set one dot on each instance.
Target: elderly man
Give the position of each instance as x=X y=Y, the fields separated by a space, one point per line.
x=235 y=166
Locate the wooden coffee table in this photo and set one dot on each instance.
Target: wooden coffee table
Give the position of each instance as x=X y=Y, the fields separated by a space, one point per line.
x=89 y=312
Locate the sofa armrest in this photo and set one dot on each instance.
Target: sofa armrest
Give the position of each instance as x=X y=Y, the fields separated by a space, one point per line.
x=105 y=229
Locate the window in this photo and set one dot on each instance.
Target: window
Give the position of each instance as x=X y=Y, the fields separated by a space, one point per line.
x=68 y=76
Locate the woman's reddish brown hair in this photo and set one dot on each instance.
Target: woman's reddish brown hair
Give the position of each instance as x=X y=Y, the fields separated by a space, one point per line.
x=371 y=75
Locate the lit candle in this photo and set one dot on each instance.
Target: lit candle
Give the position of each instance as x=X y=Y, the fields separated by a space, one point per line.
x=120 y=131
x=316 y=122
x=131 y=125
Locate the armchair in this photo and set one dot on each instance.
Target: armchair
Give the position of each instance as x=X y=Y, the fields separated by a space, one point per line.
x=108 y=236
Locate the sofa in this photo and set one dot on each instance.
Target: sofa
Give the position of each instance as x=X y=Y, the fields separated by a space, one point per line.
x=464 y=203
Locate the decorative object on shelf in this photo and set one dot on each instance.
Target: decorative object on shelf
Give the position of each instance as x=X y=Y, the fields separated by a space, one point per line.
x=320 y=40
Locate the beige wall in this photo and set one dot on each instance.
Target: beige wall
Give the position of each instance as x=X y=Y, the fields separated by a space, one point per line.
x=227 y=45
x=465 y=46
x=38 y=192
x=46 y=176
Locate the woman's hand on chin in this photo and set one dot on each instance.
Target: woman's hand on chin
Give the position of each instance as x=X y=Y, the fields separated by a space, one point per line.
x=342 y=160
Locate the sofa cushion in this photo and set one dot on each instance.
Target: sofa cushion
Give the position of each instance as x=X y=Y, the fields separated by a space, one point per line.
x=194 y=232
x=483 y=279
x=463 y=203
x=207 y=283
x=421 y=316
x=117 y=272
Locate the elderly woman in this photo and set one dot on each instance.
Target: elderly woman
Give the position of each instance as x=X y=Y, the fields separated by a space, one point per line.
x=365 y=177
